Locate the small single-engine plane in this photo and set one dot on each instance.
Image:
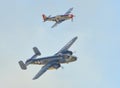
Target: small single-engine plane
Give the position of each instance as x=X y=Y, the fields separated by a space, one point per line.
x=50 y=62
x=59 y=18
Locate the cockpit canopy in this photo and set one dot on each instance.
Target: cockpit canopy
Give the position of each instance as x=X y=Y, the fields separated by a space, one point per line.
x=67 y=52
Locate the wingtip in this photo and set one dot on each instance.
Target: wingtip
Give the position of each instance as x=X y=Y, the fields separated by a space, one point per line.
x=52 y=27
x=76 y=37
x=34 y=78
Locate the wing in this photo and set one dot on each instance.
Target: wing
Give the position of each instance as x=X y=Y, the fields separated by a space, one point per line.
x=45 y=68
x=54 y=25
x=60 y=21
x=67 y=46
x=69 y=11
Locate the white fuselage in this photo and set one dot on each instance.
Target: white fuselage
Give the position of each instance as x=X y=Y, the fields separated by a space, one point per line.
x=59 y=18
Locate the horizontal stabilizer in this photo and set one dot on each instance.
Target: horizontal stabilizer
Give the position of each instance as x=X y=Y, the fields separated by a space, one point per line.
x=37 y=52
x=22 y=65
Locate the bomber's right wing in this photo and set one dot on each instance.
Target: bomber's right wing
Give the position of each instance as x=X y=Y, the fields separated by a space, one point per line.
x=67 y=46
x=45 y=68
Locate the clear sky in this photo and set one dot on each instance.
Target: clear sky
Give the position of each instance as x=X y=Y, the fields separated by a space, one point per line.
x=97 y=25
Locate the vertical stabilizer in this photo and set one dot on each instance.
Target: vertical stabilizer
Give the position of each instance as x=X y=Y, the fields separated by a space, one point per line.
x=44 y=17
x=22 y=65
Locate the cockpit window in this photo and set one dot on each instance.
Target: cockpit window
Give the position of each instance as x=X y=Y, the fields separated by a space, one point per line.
x=66 y=56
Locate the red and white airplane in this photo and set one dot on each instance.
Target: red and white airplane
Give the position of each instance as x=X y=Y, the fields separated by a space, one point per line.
x=59 y=18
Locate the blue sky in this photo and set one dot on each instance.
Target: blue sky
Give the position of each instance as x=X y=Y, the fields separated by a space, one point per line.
x=96 y=23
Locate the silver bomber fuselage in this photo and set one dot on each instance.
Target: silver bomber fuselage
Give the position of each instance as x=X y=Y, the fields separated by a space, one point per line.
x=61 y=59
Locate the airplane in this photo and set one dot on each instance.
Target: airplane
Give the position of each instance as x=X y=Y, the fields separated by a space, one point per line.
x=59 y=18
x=51 y=62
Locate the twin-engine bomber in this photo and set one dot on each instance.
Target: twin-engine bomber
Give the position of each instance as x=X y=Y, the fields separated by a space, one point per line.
x=51 y=62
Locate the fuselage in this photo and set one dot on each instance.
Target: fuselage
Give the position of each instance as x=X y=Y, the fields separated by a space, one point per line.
x=60 y=18
x=61 y=59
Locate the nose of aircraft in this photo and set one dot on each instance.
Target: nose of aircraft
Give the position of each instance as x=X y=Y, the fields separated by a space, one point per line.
x=74 y=58
x=71 y=15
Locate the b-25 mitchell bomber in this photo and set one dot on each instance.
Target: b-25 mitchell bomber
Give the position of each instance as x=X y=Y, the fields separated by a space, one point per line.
x=59 y=18
x=51 y=62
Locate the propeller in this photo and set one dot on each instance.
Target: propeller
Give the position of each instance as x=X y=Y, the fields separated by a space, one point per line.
x=72 y=19
x=62 y=67
x=74 y=51
x=71 y=16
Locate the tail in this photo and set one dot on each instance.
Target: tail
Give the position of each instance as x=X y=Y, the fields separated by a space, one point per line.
x=30 y=60
x=44 y=17
x=36 y=51
x=22 y=65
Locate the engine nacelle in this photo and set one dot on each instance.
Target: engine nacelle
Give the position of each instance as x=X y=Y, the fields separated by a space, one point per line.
x=56 y=66
x=68 y=52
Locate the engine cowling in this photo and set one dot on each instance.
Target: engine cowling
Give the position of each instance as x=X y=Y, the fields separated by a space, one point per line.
x=68 y=52
x=56 y=66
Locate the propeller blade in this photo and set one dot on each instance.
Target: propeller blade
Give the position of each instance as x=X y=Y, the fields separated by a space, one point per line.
x=74 y=51
x=62 y=67
x=72 y=19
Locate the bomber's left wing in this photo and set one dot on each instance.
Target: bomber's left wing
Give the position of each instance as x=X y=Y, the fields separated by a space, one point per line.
x=69 y=11
x=67 y=46
x=45 y=68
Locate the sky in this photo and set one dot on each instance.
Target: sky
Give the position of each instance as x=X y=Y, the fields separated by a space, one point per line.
x=96 y=23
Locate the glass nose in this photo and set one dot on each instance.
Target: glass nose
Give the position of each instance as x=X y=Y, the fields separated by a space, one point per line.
x=74 y=58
